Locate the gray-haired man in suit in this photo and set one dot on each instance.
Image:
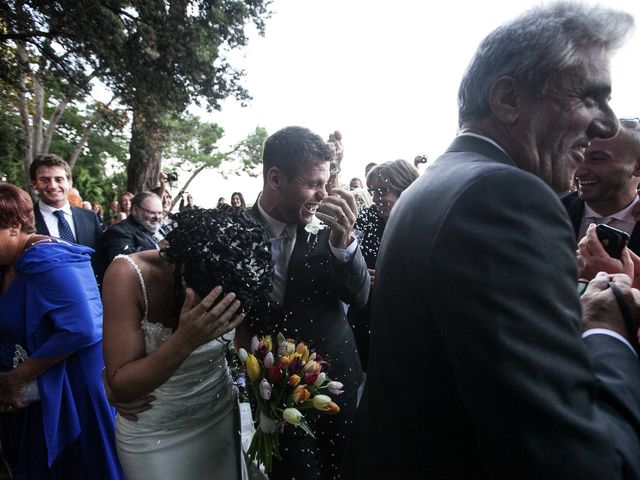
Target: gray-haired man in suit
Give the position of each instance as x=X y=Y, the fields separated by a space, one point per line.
x=477 y=366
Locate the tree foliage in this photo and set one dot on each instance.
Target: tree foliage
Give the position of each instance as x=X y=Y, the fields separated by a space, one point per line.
x=156 y=56
x=105 y=145
x=192 y=146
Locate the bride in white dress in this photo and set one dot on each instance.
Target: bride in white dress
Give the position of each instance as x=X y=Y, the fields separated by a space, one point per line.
x=177 y=355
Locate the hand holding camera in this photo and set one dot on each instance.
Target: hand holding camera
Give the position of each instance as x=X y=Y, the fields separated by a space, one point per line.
x=595 y=255
x=171 y=176
x=612 y=239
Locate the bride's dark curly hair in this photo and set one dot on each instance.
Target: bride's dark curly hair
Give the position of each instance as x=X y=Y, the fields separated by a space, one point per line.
x=222 y=246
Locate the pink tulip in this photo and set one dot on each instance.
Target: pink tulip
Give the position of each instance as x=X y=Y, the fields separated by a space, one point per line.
x=336 y=388
x=268 y=360
x=265 y=389
x=254 y=344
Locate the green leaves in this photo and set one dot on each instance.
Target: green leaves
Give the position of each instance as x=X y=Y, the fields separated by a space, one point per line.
x=156 y=57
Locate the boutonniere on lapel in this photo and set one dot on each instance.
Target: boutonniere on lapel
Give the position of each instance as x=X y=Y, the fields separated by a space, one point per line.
x=312 y=228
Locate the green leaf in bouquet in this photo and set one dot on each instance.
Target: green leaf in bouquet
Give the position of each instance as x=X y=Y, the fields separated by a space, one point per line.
x=303 y=425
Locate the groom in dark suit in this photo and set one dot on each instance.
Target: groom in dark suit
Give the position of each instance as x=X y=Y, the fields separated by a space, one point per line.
x=51 y=177
x=477 y=366
x=317 y=273
x=607 y=180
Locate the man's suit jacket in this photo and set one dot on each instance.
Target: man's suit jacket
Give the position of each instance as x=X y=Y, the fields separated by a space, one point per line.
x=312 y=312
x=86 y=223
x=87 y=226
x=125 y=237
x=477 y=368
x=575 y=207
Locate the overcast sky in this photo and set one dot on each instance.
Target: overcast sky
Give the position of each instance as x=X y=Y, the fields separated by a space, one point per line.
x=385 y=74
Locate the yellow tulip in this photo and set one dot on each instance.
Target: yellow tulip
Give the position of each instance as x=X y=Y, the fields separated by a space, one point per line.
x=294 y=380
x=253 y=367
x=266 y=342
x=303 y=350
x=311 y=367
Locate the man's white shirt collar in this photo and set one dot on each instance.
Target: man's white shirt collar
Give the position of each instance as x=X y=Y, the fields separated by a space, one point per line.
x=275 y=226
x=44 y=208
x=486 y=139
x=624 y=215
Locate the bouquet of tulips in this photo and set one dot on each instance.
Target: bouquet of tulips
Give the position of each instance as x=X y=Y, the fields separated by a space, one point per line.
x=285 y=379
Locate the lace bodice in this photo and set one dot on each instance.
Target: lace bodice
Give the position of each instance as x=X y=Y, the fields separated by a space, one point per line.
x=199 y=388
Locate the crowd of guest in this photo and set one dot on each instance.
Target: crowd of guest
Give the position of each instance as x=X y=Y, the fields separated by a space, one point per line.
x=458 y=285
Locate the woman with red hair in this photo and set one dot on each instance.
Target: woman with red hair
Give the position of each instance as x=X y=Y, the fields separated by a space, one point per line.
x=55 y=421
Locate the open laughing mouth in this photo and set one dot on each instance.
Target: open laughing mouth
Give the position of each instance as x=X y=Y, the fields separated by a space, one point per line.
x=55 y=193
x=586 y=183
x=311 y=208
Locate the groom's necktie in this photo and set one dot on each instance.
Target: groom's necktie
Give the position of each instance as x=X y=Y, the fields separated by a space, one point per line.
x=64 y=229
x=281 y=250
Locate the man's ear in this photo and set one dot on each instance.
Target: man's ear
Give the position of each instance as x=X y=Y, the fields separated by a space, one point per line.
x=505 y=100
x=636 y=170
x=276 y=178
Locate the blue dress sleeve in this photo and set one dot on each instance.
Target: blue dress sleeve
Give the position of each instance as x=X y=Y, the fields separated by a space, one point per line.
x=63 y=309
x=63 y=315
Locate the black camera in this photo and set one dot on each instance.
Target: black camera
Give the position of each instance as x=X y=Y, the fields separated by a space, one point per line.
x=420 y=159
x=172 y=176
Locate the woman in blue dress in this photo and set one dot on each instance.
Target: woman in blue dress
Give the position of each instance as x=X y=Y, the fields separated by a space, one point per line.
x=55 y=421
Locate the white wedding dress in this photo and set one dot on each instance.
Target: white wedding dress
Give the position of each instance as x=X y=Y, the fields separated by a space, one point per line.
x=192 y=429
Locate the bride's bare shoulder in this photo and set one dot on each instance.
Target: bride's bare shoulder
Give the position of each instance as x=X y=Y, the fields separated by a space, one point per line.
x=155 y=269
x=149 y=263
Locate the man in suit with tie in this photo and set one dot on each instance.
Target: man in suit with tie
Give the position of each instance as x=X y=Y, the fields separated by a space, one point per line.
x=607 y=180
x=51 y=177
x=316 y=273
x=477 y=366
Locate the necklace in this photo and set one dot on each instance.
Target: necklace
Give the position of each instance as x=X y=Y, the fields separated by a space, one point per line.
x=44 y=240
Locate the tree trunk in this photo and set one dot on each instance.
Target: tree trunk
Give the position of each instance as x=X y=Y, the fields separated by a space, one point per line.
x=38 y=113
x=53 y=123
x=145 y=153
x=23 y=106
x=77 y=150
